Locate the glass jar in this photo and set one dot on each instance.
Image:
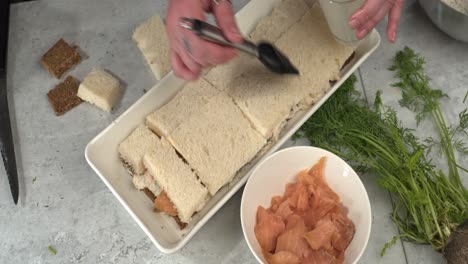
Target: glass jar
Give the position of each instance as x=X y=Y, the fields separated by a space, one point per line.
x=337 y=14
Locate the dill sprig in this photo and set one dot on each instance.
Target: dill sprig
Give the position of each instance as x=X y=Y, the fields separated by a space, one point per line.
x=418 y=96
x=428 y=206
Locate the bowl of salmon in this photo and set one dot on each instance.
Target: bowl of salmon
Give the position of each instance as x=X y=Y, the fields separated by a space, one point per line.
x=305 y=205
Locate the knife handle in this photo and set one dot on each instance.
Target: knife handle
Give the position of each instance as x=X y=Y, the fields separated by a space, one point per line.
x=214 y=34
x=4 y=25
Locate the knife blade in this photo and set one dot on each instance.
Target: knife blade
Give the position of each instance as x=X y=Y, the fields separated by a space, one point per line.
x=6 y=142
x=7 y=149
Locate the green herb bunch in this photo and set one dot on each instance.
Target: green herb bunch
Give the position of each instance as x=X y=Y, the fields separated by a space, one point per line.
x=428 y=204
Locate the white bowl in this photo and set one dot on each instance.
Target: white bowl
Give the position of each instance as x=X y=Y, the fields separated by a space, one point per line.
x=271 y=176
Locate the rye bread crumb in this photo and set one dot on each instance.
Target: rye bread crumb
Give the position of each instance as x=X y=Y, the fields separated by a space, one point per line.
x=60 y=58
x=63 y=97
x=150 y=194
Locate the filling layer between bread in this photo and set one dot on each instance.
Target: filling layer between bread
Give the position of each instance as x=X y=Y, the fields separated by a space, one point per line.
x=160 y=200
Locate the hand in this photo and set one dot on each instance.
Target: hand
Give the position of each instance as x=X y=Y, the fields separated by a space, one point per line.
x=370 y=14
x=189 y=53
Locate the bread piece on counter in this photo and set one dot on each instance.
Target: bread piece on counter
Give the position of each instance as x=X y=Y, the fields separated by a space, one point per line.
x=177 y=180
x=283 y=16
x=135 y=146
x=63 y=97
x=188 y=101
x=152 y=40
x=217 y=141
x=60 y=58
x=101 y=89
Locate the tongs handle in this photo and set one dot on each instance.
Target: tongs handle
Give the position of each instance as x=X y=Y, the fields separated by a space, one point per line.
x=214 y=34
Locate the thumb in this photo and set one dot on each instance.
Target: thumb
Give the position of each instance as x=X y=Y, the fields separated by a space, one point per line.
x=224 y=15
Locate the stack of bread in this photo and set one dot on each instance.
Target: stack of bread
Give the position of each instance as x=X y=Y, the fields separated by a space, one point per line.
x=195 y=144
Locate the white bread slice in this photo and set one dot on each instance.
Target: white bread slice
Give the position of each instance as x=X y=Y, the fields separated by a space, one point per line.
x=221 y=75
x=191 y=98
x=310 y=45
x=177 y=179
x=135 y=146
x=283 y=16
x=268 y=100
x=151 y=38
x=100 y=88
x=142 y=181
x=270 y=28
x=217 y=142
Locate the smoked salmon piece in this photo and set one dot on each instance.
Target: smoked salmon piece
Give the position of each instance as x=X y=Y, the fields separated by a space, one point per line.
x=321 y=236
x=284 y=210
x=292 y=240
x=269 y=226
x=297 y=198
x=289 y=189
x=162 y=203
x=275 y=202
x=292 y=220
x=320 y=257
x=318 y=169
x=305 y=178
x=282 y=257
x=308 y=224
x=345 y=231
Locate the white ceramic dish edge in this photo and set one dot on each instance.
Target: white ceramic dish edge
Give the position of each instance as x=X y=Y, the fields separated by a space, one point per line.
x=319 y=153
x=135 y=115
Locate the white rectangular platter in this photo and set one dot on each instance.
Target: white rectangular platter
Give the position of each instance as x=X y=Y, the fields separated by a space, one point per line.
x=102 y=152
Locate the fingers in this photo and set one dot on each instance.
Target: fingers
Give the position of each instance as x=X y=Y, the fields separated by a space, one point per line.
x=394 y=20
x=225 y=19
x=364 y=14
x=372 y=12
x=196 y=53
x=190 y=53
x=367 y=27
x=208 y=53
x=180 y=70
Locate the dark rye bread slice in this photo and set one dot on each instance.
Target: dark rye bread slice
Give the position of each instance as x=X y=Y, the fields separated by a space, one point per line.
x=60 y=58
x=63 y=97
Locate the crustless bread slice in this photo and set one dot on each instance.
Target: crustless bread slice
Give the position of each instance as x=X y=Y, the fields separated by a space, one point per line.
x=63 y=97
x=152 y=40
x=177 y=180
x=134 y=147
x=267 y=99
x=269 y=28
x=217 y=141
x=60 y=58
x=145 y=180
x=188 y=101
x=101 y=89
x=283 y=16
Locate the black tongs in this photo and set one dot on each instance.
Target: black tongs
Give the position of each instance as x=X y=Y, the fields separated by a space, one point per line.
x=267 y=53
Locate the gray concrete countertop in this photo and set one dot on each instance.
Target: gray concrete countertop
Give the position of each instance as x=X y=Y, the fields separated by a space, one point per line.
x=64 y=204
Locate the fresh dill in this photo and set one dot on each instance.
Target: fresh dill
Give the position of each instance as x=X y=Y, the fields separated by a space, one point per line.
x=418 y=96
x=428 y=205
x=52 y=250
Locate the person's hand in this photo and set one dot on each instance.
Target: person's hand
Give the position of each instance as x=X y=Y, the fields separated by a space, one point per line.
x=370 y=14
x=189 y=53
